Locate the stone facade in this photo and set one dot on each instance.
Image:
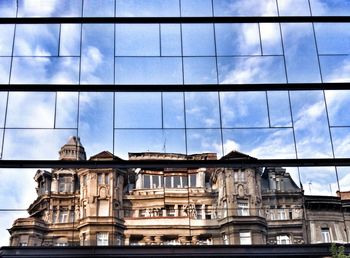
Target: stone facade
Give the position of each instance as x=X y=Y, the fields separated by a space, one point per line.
x=174 y=206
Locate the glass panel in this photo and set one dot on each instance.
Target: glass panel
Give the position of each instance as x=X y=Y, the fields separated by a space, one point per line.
x=157 y=8
x=300 y=53
x=270 y=39
x=97 y=60
x=344 y=177
x=319 y=180
x=70 y=40
x=6 y=38
x=44 y=8
x=335 y=68
x=333 y=38
x=198 y=40
x=310 y=125
x=8 y=8
x=34 y=144
x=260 y=143
x=170 y=40
x=326 y=7
x=245 y=8
x=138 y=110
x=244 y=109
x=200 y=70
x=173 y=110
x=5 y=63
x=237 y=39
x=338 y=107
x=3 y=102
x=194 y=8
x=96 y=121
x=279 y=108
x=240 y=70
x=151 y=70
x=341 y=142
x=202 y=110
x=66 y=110
x=137 y=40
x=45 y=70
x=293 y=8
x=151 y=140
x=99 y=8
x=36 y=40
x=31 y=110
x=204 y=140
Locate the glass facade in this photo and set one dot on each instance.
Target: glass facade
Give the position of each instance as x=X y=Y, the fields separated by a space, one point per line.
x=286 y=123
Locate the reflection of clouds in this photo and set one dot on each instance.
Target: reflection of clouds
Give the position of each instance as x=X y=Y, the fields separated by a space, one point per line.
x=319 y=180
x=245 y=7
x=251 y=70
x=38 y=7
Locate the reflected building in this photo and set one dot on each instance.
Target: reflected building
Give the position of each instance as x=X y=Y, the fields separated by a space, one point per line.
x=175 y=206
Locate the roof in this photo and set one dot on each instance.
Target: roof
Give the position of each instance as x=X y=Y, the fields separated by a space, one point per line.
x=105 y=155
x=233 y=155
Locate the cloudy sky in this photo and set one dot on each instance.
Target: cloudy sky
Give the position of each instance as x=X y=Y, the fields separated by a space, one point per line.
x=277 y=124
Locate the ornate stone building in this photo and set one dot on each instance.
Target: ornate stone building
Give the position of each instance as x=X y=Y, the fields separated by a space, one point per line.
x=172 y=206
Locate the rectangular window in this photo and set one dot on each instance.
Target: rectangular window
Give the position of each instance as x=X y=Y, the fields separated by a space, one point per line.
x=283 y=240
x=63 y=216
x=281 y=214
x=245 y=238
x=146 y=181
x=326 y=236
x=170 y=210
x=102 y=238
x=177 y=182
x=99 y=179
x=243 y=209
x=157 y=181
x=106 y=179
x=208 y=212
x=199 y=212
x=142 y=213
x=168 y=181
x=193 y=180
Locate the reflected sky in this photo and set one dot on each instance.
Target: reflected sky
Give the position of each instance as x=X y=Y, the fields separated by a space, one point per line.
x=273 y=124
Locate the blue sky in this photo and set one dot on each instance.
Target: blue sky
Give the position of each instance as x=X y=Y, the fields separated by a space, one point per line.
x=261 y=124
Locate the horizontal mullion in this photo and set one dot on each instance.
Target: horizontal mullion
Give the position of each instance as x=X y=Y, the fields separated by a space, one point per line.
x=228 y=19
x=173 y=87
x=124 y=164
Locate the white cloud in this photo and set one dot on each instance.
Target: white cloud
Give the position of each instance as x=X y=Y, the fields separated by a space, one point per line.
x=39 y=8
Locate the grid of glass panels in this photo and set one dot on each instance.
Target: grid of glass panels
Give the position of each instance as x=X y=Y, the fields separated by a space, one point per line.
x=262 y=124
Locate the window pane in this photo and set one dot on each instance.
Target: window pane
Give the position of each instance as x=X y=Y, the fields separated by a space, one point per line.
x=194 y=8
x=319 y=180
x=237 y=39
x=341 y=142
x=300 y=53
x=293 y=8
x=204 y=140
x=270 y=39
x=334 y=7
x=200 y=70
x=170 y=40
x=173 y=110
x=45 y=70
x=198 y=40
x=335 y=68
x=96 y=121
x=202 y=110
x=137 y=40
x=152 y=140
x=44 y=8
x=279 y=109
x=97 y=60
x=245 y=8
x=141 y=8
x=8 y=8
x=310 y=124
x=5 y=63
x=240 y=70
x=333 y=38
x=70 y=40
x=138 y=110
x=151 y=70
x=99 y=8
x=31 y=110
x=66 y=110
x=36 y=40
x=244 y=109
x=6 y=38
x=260 y=143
